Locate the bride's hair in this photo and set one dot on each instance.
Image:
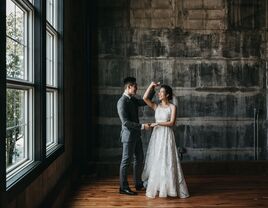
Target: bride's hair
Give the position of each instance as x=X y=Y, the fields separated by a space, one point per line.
x=168 y=90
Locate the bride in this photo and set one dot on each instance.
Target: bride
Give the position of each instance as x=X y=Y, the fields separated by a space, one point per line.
x=162 y=170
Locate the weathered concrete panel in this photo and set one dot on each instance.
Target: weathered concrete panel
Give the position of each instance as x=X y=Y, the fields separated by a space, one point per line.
x=233 y=74
x=193 y=4
x=163 y=23
x=113 y=41
x=247 y=14
x=185 y=74
x=140 y=23
x=219 y=105
x=162 y=13
x=242 y=44
x=215 y=14
x=219 y=154
x=211 y=74
x=194 y=24
x=141 y=13
x=143 y=71
x=173 y=43
x=214 y=136
x=107 y=105
x=197 y=14
x=215 y=25
x=207 y=15
x=112 y=71
x=140 y=4
x=182 y=44
x=214 y=4
x=148 y=70
x=149 y=43
x=231 y=45
x=109 y=136
x=116 y=17
x=163 y=4
x=243 y=74
x=251 y=45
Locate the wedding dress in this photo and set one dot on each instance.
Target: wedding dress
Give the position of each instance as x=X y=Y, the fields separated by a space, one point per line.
x=162 y=170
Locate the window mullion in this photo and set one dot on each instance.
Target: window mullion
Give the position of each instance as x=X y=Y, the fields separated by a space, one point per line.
x=51 y=88
x=2 y=103
x=54 y=102
x=40 y=80
x=14 y=82
x=60 y=72
x=51 y=29
x=25 y=3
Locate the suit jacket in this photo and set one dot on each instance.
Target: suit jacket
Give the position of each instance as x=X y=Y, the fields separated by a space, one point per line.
x=128 y=112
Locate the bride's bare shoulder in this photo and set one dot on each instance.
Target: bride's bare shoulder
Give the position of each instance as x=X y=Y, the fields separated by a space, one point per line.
x=172 y=105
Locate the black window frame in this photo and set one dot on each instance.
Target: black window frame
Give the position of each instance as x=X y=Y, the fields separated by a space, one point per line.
x=42 y=158
x=2 y=103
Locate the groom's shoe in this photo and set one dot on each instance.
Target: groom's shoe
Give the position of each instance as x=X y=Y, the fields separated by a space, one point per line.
x=127 y=191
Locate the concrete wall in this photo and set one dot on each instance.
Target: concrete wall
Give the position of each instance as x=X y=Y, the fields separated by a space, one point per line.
x=213 y=54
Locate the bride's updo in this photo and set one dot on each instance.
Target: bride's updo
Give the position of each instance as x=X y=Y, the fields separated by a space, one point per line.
x=168 y=90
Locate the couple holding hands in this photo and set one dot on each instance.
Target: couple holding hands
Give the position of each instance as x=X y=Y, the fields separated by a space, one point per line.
x=161 y=174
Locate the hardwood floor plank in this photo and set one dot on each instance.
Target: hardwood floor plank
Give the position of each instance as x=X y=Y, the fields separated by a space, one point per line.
x=205 y=191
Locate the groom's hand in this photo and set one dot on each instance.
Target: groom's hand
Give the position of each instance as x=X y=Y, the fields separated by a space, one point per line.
x=146 y=126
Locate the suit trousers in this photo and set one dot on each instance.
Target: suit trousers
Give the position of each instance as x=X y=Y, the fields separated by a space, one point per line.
x=131 y=150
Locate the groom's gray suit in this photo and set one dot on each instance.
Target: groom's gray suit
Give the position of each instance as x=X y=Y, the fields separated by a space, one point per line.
x=127 y=108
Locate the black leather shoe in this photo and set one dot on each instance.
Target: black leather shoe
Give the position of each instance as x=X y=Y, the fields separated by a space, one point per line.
x=140 y=188
x=127 y=191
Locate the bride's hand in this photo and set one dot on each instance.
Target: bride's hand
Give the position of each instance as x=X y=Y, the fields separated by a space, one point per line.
x=154 y=84
x=154 y=125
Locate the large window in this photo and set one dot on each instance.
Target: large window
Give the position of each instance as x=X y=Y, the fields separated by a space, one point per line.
x=19 y=92
x=33 y=86
x=52 y=73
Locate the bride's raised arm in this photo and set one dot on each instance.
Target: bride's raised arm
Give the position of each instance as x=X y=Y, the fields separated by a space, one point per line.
x=148 y=101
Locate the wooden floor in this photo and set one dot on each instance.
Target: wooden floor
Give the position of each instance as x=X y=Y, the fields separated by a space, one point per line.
x=206 y=191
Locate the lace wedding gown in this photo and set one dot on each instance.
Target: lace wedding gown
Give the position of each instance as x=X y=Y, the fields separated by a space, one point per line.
x=162 y=171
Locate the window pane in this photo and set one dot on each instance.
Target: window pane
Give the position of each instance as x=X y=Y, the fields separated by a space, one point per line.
x=17 y=125
x=50 y=59
x=15 y=44
x=51 y=10
x=50 y=108
x=15 y=22
x=15 y=59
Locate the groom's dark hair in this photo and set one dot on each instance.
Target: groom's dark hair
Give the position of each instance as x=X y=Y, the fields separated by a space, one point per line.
x=129 y=80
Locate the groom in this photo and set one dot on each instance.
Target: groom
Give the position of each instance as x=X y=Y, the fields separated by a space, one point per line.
x=127 y=107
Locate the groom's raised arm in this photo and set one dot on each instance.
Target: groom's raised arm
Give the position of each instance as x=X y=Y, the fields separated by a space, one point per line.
x=122 y=112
